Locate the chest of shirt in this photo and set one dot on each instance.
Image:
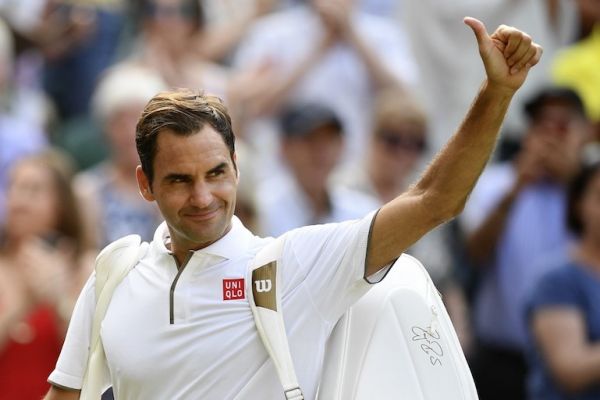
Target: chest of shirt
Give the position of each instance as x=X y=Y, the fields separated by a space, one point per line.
x=160 y=319
x=212 y=341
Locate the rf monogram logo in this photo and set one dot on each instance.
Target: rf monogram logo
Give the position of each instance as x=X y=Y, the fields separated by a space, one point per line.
x=263 y=285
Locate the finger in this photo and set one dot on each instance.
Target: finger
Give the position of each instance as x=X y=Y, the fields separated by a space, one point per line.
x=512 y=38
x=522 y=48
x=536 y=58
x=479 y=30
x=522 y=61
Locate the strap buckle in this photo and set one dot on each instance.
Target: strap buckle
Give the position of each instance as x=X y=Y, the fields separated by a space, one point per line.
x=294 y=394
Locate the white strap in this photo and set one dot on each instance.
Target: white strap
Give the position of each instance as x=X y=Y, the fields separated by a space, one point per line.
x=112 y=265
x=265 y=302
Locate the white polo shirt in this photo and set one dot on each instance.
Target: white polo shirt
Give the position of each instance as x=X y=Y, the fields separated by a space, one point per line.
x=192 y=335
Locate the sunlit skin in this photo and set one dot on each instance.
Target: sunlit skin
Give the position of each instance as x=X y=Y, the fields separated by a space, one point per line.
x=194 y=186
x=32 y=201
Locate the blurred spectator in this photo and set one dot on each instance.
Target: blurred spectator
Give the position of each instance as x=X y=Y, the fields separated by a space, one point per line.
x=447 y=57
x=109 y=190
x=321 y=50
x=21 y=115
x=64 y=45
x=169 y=44
x=40 y=245
x=516 y=231
x=395 y=152
x=564 y=312
x=226 y=24
x=80 y=40
x=578 y=66
x=312 y=143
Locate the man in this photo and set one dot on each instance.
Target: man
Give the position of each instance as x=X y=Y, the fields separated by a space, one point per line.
x=516 y=231
x=312 y=141
x=171 y=333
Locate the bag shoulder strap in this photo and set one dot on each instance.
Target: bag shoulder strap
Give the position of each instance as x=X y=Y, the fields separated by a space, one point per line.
x=265 y=302
x=113 y=263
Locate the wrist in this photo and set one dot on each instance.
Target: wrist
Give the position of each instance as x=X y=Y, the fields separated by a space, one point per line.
x=498 y=90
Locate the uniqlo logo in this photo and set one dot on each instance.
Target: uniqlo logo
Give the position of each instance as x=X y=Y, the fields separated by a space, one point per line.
x=234 y=289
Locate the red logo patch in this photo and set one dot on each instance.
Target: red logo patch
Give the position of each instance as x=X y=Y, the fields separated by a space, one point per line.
x=234 y=289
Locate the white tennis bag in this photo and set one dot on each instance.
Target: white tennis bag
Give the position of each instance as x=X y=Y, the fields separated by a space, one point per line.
x=397 y=342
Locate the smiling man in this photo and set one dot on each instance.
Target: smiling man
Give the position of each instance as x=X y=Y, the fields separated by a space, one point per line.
x=179 y=327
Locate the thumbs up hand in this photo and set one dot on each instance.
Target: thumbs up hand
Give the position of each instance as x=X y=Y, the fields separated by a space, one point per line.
x=507 y=54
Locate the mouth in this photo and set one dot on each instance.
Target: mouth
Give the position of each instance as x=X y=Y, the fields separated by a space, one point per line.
x=201 y=216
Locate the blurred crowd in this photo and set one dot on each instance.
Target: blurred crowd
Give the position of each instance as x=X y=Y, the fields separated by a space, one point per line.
x=337 y=106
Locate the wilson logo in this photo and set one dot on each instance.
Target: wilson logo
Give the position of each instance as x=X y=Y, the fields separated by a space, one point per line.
x=234 y=289
x=263 y=285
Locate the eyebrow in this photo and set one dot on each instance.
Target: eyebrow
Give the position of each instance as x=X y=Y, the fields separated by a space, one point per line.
x=219 y=167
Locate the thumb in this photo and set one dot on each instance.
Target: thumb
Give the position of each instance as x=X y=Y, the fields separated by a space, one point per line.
x=478 y=29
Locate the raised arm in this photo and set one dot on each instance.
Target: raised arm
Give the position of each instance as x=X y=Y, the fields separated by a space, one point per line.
x=442 y=191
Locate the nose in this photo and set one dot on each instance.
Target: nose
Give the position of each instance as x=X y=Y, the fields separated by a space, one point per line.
x=201 y=195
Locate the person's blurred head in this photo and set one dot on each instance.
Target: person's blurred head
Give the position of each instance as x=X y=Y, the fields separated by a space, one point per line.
x=182 y=112
x=40 y=200
x=173 y=21
x=311 y=143
x=399 y=136
x=118 y=102
x=556 y=112
x=583 y=203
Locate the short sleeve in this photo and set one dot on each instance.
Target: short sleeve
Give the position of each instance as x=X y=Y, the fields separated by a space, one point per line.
x=329 y=262
x=557 y=288
x=72 y=361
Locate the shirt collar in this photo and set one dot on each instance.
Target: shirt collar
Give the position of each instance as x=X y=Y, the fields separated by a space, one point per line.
x=231 y=246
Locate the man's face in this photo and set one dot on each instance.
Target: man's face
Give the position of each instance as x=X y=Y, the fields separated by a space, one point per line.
x=194 y=185
x=313 y=157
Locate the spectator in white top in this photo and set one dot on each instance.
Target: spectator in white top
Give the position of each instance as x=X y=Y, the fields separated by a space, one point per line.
x=312 y=141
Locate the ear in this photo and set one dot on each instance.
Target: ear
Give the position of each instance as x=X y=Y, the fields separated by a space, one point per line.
x=144 y=184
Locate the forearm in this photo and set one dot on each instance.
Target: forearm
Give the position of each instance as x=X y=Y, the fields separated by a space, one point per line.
x=589 y=366
x=442 y=191
x=220 y=40
x=9 y=317
x=578 y=369
x=449 y=179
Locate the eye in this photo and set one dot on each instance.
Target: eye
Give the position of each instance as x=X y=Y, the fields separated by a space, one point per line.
x=217 y=172
x=178 y=179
